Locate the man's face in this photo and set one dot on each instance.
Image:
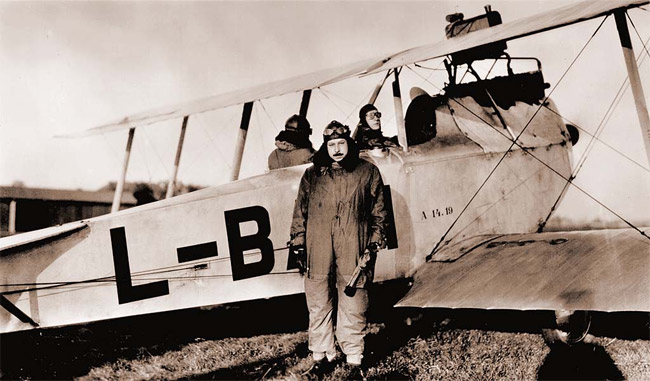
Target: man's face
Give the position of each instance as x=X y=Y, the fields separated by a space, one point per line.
x=337 y=149
x=373 y=118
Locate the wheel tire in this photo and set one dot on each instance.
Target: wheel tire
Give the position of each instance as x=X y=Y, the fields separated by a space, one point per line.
x=572 y=327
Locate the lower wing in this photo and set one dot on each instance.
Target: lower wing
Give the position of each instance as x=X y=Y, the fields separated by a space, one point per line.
x=598 y=270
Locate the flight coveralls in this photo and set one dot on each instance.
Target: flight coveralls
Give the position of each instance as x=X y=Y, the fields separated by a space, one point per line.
x=288 y=155
x=336 y=216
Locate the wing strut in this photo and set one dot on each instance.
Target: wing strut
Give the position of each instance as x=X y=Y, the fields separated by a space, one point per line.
x=177 y=160
x=399 y=112
x=380 y=85
x=120 y=183
x=304 y=104
x=12 y=216
x=241 y=140
x=17 y=312
x=635 y=79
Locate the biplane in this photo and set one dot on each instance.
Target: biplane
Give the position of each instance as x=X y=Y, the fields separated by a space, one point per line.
x=467 y=204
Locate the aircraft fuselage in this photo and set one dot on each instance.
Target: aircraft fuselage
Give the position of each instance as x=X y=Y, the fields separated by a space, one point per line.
x=227 y=243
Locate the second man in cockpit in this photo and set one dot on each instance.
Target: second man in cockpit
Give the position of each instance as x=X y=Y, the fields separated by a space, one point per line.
x=293 y=144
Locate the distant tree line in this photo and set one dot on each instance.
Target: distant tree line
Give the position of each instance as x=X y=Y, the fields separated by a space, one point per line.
x=149 y=192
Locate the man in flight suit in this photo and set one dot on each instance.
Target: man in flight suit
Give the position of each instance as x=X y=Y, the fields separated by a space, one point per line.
x=293 y=145
x=339 y=214
x=369 y=134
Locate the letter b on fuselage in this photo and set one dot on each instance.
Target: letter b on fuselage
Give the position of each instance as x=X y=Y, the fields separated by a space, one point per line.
x=260 y=240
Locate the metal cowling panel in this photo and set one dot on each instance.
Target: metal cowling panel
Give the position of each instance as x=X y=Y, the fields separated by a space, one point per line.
x=541 y=127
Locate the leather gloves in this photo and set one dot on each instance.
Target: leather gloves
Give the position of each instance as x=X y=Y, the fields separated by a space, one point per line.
x=373 y=247
x=300 y=256
x=372 y=250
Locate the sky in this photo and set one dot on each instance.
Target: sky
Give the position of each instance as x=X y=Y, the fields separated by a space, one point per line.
x=69 y=66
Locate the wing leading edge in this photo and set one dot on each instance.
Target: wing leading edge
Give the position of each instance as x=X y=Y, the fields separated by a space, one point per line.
x=598 y=270
x=13 y=242
x=542 y=22
x=263 y=91
x=552 y=19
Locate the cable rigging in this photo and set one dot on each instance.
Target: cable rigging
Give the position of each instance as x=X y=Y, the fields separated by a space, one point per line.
x=268 y=115
x=514 y=142
x=108 y=279
x=322 y=91
x=585 y=154
x=139 y=275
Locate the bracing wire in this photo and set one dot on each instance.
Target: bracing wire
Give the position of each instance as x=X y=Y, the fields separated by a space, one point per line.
x=268 y=115
x=524 y=149
x=330 y=99
x=550 y=168
x=428 y=68
x=514 y=142
x=211 y=140
x=146 y=136
x=557 y=173
x=339 y=97
x=140 y=275
x=425 y=80
x=348 y=114
x=503 y=197
x=115 y=153
x=146 y=163
x=601 y=126
x=586 y=152
x=139 y=146
x=105 y=281
x=617 y=99
x=645 y=47
x=358 y=105
x=599 y=140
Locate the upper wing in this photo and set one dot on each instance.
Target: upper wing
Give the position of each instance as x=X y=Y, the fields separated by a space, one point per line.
x=527 y=26
x=555 y=18
x=601 y=270
x=264 y=91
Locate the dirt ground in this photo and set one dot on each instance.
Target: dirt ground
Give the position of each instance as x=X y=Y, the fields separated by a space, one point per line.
x=267 y=340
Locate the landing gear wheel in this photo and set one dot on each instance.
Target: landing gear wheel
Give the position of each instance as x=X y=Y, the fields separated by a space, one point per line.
x=572 y=327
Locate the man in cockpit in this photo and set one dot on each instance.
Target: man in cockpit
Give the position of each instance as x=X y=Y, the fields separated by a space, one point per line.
x=339 y=214
x=369 y=135
x=293 y=144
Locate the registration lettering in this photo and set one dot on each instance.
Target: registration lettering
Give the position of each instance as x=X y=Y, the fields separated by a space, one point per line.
x=238 y=244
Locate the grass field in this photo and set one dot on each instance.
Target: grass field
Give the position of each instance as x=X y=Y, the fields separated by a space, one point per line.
x=267 y=340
